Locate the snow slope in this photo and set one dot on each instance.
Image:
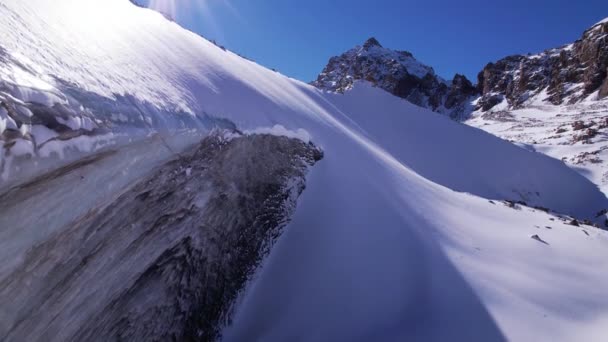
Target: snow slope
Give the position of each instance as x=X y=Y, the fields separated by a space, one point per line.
x=576 y=134
x=386 y=243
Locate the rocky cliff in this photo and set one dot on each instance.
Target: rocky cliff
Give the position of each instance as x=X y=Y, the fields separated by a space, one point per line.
x=564 y=75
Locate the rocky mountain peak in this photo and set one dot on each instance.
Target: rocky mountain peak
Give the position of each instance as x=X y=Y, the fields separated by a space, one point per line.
x=371 y=42
x=461 y=81
x=397 y=72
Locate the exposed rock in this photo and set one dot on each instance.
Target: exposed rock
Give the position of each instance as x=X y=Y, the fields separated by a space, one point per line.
x=488 y=102
x=537 y=238
x=579 y=125
x=460 y=91
x=568 y=74
x=586 y=136
x=166 y=259
x=399 y=73
x=604 y=89
x=371 y=42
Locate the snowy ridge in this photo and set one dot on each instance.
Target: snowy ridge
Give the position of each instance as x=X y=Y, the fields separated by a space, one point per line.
x=401 y=233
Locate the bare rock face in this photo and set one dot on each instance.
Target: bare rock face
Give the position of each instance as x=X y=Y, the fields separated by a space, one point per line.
x=604 y=89
x=399 y=73
x=165 y=260
x=568 y=74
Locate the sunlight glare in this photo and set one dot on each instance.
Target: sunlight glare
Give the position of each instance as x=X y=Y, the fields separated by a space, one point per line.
x=195 y=10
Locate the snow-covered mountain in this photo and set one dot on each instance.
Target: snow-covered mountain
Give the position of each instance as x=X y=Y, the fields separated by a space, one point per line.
x=399 y=73
x=147 y=172
x=552 y=102
x=564 y=75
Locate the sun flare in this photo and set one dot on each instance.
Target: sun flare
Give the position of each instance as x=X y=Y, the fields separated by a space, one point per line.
x=177 y=8
x=202 y=12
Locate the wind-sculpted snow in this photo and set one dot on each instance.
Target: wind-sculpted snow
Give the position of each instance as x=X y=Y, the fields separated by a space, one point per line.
x=393 y=238
x=165 y=259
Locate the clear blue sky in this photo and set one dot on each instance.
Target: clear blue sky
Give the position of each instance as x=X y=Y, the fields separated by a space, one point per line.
x=297 y=37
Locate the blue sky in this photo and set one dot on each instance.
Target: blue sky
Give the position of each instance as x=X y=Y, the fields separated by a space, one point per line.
x=297 y=37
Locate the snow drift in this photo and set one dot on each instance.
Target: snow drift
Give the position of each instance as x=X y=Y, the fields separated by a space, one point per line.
x=394 y=237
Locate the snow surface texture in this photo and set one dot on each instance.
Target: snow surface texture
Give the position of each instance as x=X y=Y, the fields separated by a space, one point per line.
x=386 y=244
x=576 y=134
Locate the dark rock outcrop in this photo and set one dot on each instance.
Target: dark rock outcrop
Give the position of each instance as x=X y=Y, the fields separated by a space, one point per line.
x=568 y=74
x=165 y=260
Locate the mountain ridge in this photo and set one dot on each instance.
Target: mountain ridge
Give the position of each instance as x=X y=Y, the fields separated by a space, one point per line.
x=569 y=74
x=554 y=102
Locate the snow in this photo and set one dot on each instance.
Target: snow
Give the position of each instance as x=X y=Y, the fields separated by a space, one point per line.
x=394 y=237
x=605 y=20
x=6 y=122
x=43 y=134
x=82 y=143
x=548 y=129
x=281 y=131
x=22 y=148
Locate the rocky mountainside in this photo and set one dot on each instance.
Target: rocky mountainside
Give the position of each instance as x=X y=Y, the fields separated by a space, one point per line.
x=564 y=75
x=399 y=73
x=576 y=134
x=554 y=102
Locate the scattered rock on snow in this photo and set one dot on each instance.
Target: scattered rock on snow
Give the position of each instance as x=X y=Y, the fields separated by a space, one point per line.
x=537 y=238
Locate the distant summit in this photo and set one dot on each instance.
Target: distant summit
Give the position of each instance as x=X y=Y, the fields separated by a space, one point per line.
x=371 y=43
x=399 y=73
